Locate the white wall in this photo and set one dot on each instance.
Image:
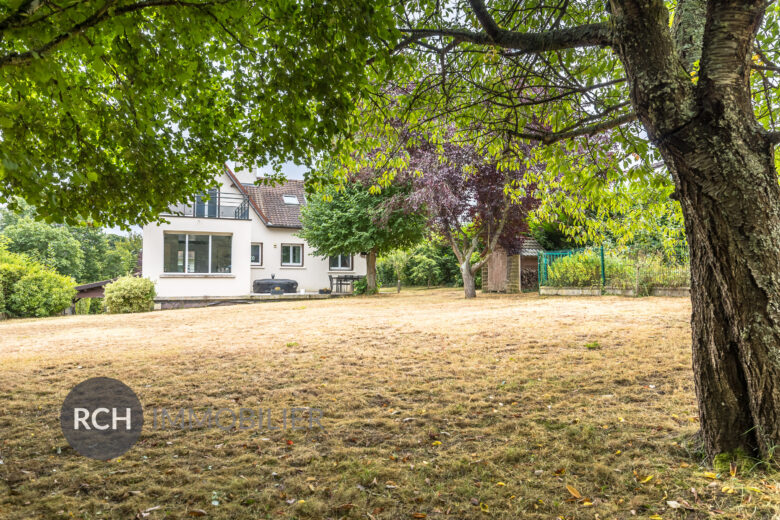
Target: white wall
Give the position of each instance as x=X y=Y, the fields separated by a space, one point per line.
x=312 y=276
x=195 y=284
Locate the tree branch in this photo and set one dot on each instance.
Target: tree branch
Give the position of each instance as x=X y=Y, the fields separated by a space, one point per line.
x=26 y=9
x=104 y=13
x=553 y=137
x=588 y=35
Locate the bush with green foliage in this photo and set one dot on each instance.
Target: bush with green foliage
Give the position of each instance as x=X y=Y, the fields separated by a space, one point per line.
x=361 y=287
x=41 y=292
x=424 y=270
x=583 y=269
x=89 y=306
x=390 y=267
x=129 y=294
x=30 y=289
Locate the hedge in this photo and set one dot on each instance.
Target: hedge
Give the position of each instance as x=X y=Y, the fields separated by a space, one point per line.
x=129 y=294
x=30 y=289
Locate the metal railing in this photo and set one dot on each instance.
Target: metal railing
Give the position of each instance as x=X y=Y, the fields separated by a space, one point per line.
x=215 y=204
x=611 y=269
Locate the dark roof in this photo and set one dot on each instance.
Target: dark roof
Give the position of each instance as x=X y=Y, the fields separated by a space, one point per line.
x=93 y=285
x=269 y=200
x=530 y=247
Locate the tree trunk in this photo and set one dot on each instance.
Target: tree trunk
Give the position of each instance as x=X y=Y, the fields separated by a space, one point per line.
x=469 y=283
x=371 y=272
x=730 y=197
x=722 y=163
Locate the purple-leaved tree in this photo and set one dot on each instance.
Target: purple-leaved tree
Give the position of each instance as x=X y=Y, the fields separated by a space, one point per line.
x=470 y=201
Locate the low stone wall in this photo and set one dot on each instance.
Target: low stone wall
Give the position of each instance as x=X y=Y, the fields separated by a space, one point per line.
x=215 y=301
x=671 y=291
x=569 y=291
x=615 y=291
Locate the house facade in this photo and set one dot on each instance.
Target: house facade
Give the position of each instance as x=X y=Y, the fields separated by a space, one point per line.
x=217 y=246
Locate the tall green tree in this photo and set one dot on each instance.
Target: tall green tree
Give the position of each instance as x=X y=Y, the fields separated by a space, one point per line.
x=114 y=109
x=94 y=247
x=356 y=219
x=54 y=246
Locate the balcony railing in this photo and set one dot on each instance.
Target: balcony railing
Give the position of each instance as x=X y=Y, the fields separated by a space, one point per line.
x=215 y=204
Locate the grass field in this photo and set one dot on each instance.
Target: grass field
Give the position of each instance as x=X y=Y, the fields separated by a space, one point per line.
x=434 y=407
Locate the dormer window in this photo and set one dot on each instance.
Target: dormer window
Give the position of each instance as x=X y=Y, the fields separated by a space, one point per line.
x=290 y=199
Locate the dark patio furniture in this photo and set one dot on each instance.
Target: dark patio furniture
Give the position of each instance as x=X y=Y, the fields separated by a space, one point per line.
x=343 y=283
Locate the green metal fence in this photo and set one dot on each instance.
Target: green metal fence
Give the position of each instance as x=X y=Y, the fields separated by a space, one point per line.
x=637 y=272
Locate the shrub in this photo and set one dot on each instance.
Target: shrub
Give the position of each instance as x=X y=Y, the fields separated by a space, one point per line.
x=361 y=287
x=644 y=273
x=12 y=267
x=41 y=292
x=577 y=270
x=129 y=294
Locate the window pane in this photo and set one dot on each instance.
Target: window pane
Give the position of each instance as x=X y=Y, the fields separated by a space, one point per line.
x=173 y=253
x=334 y=262
x=296 y=254
x=285 y=254
x=346 y=261
x=207 y=208
x=220 y=253
x=256 y=254
x=198 y=254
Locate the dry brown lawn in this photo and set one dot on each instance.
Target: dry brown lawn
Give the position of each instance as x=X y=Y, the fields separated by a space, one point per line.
x=434 y=407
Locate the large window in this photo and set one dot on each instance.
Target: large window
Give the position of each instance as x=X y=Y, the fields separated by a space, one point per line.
x=197 y=253
x=257 y=254
x=341 y=263
x=292 y=254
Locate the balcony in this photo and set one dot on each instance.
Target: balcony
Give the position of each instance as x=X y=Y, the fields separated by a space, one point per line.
x=215 y=204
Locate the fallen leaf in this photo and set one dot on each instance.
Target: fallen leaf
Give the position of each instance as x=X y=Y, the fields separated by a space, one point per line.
x=573 y=491
x=673 y=504
x=419 y=515
x=196 y=512
x=500 y=484
x=647 y=479
x=484 y=507
x=733 y=469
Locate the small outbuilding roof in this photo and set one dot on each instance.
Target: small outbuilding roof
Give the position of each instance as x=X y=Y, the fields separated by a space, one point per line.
x=530 y=247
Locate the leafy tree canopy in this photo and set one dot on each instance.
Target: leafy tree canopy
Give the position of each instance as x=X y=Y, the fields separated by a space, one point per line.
x=113 y=109
x=353 y=220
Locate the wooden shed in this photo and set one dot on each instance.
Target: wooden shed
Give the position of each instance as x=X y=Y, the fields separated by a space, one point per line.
x=512 y=271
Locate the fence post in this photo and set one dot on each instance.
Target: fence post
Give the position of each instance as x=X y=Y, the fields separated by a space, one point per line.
x=603 y=276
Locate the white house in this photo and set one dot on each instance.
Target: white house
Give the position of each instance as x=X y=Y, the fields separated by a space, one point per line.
x=242 y=233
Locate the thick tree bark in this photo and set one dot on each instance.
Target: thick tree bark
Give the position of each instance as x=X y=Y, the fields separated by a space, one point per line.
x=469 y=282
x=723 y=166
x=371 y=272
x=730 y=197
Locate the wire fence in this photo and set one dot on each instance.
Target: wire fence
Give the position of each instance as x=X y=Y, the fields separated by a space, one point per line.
x=624 y=270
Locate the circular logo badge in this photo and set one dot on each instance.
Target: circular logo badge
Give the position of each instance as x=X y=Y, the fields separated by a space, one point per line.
x=101 y=418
